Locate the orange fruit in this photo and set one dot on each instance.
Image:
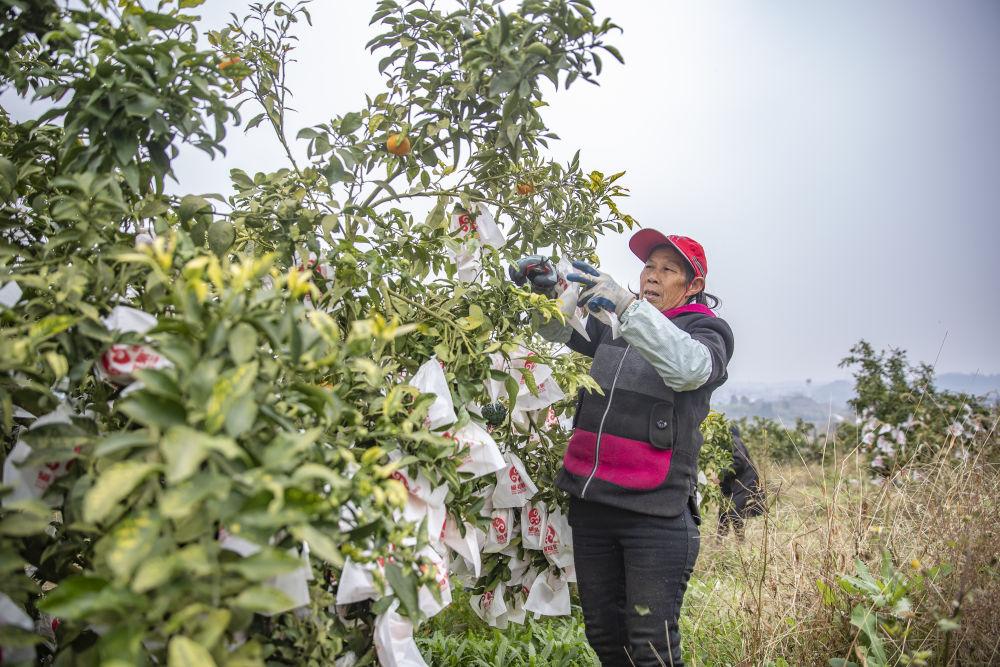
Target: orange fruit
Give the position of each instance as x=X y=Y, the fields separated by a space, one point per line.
x=525 y=189
x=398 y=144
x=229 y=62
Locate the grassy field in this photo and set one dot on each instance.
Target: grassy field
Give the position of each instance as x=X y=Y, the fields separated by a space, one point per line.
x=793 y=592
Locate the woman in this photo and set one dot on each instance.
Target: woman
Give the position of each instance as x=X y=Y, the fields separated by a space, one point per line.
x=631 y=464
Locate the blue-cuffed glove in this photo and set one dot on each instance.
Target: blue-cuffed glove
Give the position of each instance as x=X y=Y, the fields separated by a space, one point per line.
x=537 y=270
x=600 y=291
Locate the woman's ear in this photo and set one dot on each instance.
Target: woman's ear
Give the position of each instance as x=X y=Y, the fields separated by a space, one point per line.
x=697 y=285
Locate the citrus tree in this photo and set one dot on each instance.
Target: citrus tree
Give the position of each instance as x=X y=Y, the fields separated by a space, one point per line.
x=206 y=399
x=904 y=419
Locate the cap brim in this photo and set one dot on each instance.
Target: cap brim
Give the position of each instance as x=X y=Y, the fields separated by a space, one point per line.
x=644 y=240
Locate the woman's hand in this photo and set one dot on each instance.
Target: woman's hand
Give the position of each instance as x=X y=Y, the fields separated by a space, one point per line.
x=600 y=290
x=539 y=271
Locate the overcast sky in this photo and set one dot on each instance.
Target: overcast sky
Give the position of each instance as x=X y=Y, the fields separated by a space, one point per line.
x=840 y=162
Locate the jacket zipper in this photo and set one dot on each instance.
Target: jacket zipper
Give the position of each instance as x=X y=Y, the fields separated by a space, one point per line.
x=600 y=429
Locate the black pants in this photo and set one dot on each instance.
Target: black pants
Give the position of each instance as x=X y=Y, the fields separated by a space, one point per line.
x=632 y=570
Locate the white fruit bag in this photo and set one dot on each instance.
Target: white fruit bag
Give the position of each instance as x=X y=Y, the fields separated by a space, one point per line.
x=489 y=232
x=356 y=584
x=482 y=455
x=514 y=488
x=567 y=295
x=465 y=546
x=489 y=606
x=295 y=584
x=533 y=519
x=501 y=529
x=129 y=320
x=548 y=393
x=548 y=596
x=466 y=256
x=526 y=360
x=557 y=540
x=394 y=643
x=425 y=597
x=10 y=294
x=518 y=572
x=516 y=612
x=422 y=500
x=430 y=379
x=32 y=481
x=119 y=362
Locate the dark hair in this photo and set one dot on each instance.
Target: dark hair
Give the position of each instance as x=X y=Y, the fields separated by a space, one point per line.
x=702 y=297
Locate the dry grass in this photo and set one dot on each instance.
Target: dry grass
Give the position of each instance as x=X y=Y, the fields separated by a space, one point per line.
x=758 y=602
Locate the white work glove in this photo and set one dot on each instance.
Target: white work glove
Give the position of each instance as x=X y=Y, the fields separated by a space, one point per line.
x=600 y=292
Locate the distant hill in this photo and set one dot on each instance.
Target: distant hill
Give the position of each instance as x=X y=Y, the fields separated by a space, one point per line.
x=823 y=402
x=978 y=385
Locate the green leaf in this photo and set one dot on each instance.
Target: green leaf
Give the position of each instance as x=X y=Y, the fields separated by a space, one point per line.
x=121 y=646
x=158 y=382
x=181 y=500
x=23 y=524
x=191 y=205
x=151 y=410
x=242 y=342
x=221 y=235
x=185 y=449
x=350 y=122
x=404 y=587
x=79 y=597
x=50 y=326
x=113 y=486
x=153 y=573
x=183 y=652
x=8 y=173
x=319 y=544
x=213 y=627
x=241 y=416
x=131 y=543
x=266 y=563
x=263 y=599
x=227 y=389
x=122 y=441
x=866 y=620
x=335 y=171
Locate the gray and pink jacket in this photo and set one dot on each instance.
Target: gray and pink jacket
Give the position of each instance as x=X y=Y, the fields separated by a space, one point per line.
x=636 y=447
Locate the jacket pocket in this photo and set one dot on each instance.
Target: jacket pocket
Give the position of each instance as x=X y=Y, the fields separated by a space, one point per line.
x=661 y=425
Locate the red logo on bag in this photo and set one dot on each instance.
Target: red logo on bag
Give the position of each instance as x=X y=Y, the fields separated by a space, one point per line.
x=487 y=600
x=551 y=544
x=517 y=485
x=534 y=522
x=500 y=528
x=466 y=223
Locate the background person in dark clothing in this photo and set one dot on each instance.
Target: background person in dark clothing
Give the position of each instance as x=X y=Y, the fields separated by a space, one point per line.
x=742 y=491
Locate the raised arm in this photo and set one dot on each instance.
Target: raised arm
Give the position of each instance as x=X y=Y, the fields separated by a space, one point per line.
x=684 y=360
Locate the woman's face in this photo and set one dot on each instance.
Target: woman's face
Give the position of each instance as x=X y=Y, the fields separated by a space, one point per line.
x=663 y=282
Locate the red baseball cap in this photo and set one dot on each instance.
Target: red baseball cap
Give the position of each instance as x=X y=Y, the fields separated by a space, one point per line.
x=644 y=241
